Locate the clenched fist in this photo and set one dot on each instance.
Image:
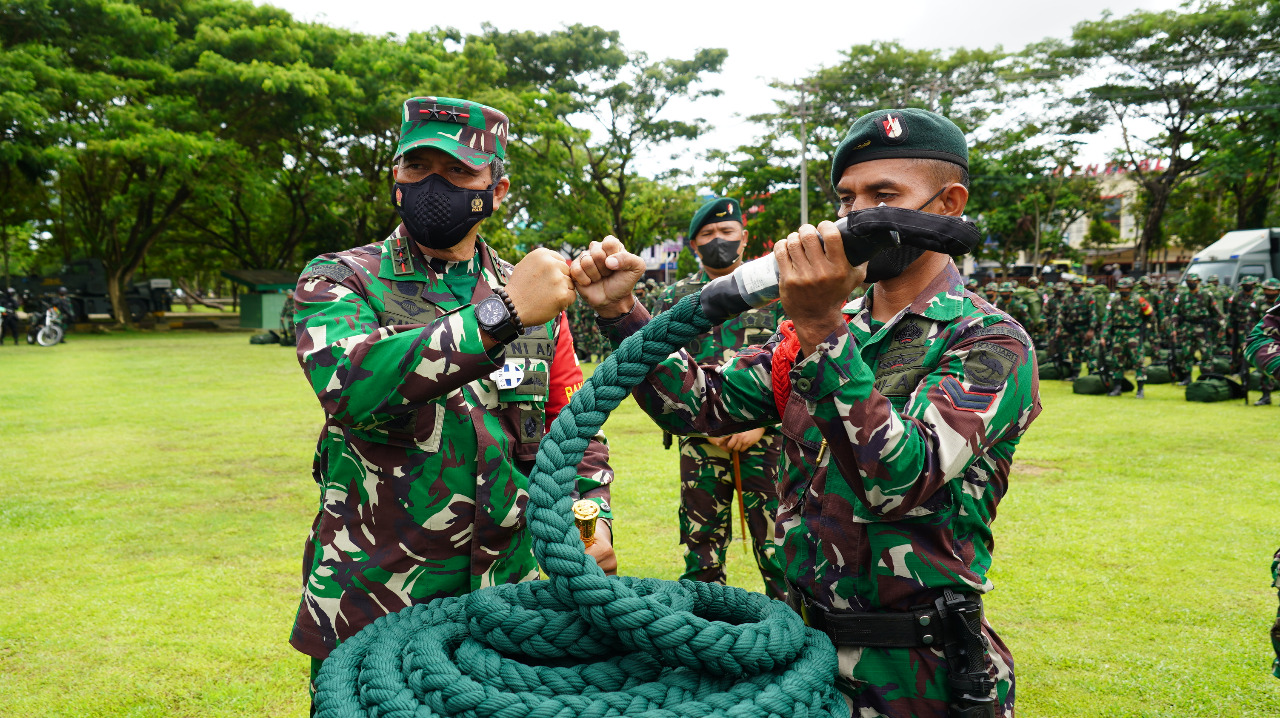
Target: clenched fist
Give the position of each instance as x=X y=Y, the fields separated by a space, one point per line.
x=606 y=274
x=540 y=287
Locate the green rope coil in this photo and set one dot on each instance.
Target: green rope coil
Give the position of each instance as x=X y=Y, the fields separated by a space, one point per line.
x=581 y=644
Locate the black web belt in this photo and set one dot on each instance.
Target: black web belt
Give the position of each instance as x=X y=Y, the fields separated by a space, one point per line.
x=919 y=628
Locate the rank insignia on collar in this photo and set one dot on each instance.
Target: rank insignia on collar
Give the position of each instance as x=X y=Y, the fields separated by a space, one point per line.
x=401 y=262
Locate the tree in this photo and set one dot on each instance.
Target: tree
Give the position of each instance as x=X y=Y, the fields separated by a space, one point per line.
x=1177 y=71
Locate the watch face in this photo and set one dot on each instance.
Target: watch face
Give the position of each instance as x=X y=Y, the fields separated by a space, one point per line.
x=491 y=311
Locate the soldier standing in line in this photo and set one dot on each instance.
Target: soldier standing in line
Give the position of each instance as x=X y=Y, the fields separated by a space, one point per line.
x=1124 y=325
x=1013 y=305
x=972 y=286
x=1238 y=326
x=439 y=367
x=900 y=414
x=1197 y=324
x=1266 y=298
x=1056 y=342
x=9 y=315
x=1076 y=328
x=66 y=314
x=287 y=336
x=707 y=466
x=1263 y=351
x=991 y=292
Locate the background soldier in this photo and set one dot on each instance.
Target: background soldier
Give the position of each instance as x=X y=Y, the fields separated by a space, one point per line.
x=1266 y=298
x=287 y=336
x=1076 y=328
x=991 y=292
x=9 y=315
x=1013 y=305
x=1123 y=326
x=438 y=366
x=1197 y=323
x=1238 y=326
x=65 y=313
x=900 y=414
x=707 y=477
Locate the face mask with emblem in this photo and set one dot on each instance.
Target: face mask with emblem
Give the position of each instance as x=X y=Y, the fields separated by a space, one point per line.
x=438 y=213
x=719 y=253
x=865 y=234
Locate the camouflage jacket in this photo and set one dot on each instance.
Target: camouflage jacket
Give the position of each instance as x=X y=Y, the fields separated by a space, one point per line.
x=1077 y=311
x=1126 y=315
x=1264 y=344
x=1190 y=308
x=1238 y=312
x=897 y=442
x=423 y=456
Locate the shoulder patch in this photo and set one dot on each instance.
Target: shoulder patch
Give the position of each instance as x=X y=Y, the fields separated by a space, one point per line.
x=1002 y=330
x=989 y=364
x=333 y=272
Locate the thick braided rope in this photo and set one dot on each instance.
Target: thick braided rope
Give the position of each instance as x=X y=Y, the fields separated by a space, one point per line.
x=582 y=644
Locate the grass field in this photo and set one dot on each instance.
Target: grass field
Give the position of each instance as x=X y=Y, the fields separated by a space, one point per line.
x=160 y=490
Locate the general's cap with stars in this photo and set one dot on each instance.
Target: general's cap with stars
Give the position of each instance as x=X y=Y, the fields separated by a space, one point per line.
x=470 y=131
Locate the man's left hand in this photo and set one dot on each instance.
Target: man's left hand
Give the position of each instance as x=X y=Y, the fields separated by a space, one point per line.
x=602 y=549
x=815 y=280
x=743 y=440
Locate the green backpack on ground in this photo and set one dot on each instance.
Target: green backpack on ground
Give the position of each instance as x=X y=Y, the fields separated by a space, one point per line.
x=1050 y=371
x=265 y=338
x=1159 y=374
x=1214 y=387
x=1097 y=384
x=1221 y=364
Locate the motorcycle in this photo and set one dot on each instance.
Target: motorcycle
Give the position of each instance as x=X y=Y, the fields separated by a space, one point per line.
x=45 y=329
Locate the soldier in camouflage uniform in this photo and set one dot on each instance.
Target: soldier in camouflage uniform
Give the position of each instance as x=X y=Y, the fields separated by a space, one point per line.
x=1197 y=322
x=1125 y=323
x=1263 y=352
x=1076 y=328
x=706 y=463
x=900 y=414
x=439 y=367
x=1237 y=310
x=287 y=336
x=1014 y=306
x=1266 y=298
x=991 y=292
x=1055 y=340
x=971 y=285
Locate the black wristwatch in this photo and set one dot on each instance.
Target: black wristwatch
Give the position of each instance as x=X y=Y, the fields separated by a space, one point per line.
x=497 y=317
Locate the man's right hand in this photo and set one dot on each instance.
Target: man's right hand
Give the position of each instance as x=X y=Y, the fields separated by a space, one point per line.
x=540 y=287
x=606 y=274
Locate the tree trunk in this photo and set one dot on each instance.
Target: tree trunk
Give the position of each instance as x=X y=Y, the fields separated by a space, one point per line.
x=115 y=292
x=1151 y=227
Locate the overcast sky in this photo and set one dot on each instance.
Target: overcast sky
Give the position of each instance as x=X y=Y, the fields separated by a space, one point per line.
x=766 y=41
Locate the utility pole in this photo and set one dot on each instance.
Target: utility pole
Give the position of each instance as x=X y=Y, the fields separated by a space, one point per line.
x=804 y=158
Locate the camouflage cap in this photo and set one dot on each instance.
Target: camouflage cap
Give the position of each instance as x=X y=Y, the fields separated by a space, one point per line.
x=1213 y=279
x=1124 y=283
x=991 y=287
x=1006 y=287
x=1271 y=283
x=1033 y=279
x=1090 y=282
x=721 y=209
x=1060 y=286
x=1192 y=278
x=1249 y=279
x=470 y=131
x=1144 y=280
x=971 y=283
x=902 y=132
x=1077 y=280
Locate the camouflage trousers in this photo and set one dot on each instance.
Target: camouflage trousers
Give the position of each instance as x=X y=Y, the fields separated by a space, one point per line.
x=1193 y=339
x=912 y=682
x=706 y=508
x=1275 y=630
x=1125 y=353
x=1080 y=350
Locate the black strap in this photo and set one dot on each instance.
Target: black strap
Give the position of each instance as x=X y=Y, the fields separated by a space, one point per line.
x=915 y=629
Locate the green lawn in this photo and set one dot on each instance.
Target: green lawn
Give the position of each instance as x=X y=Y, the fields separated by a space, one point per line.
x=160 y=490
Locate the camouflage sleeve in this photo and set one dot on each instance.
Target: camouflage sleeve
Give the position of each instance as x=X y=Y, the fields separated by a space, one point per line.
x=1264 y=344
x=365 y=374
x=983 y=391
x=664 y=300
x=594 y=473
x=684 y=398
x=1105 y=325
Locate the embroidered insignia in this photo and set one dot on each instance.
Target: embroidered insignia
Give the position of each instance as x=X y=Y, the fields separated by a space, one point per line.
x=974 y=401
x=908 y=334
x=333 y=272
x=894 y=128
x=989 y=364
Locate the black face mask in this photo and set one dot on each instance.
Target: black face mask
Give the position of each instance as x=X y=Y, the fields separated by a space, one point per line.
x=892 y=262
x=438 y=213
x=719 y=253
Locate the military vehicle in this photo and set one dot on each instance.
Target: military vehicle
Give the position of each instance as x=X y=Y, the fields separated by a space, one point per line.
x=86 y=283
x=1244 y=251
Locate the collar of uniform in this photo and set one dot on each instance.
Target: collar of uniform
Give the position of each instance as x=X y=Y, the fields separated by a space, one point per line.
x=942 y=300
x=416 y=262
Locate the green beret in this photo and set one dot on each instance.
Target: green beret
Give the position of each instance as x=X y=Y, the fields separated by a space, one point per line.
x=906 y=132
x=470 y=131
x=721 y=209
